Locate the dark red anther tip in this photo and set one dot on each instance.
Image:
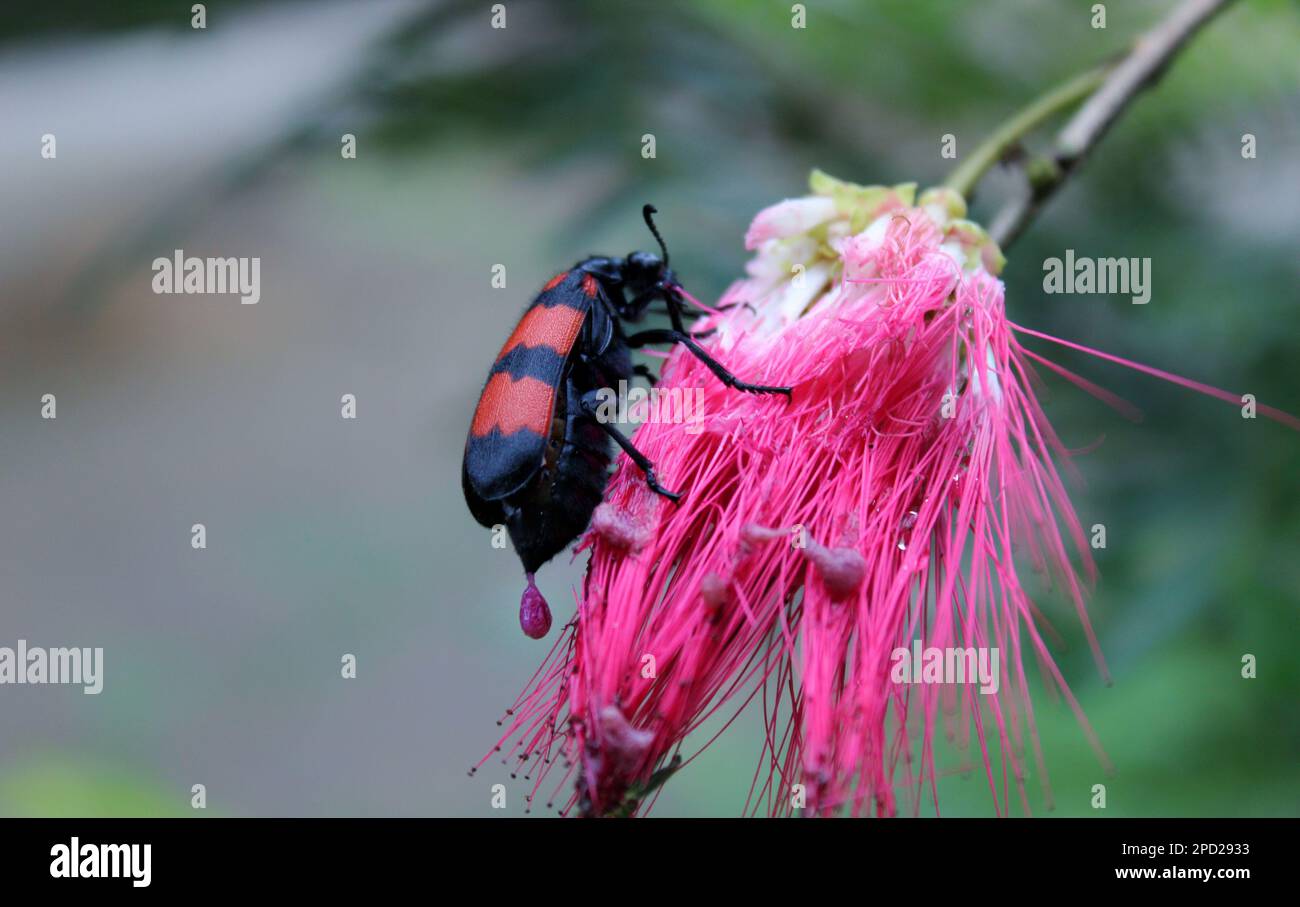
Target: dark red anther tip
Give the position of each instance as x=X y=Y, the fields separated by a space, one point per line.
x=534 y=615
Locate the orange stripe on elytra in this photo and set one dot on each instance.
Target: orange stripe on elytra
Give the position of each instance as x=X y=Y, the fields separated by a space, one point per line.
x=589 y=286
x=556 y=327
x=555 y=281
x=508 y=405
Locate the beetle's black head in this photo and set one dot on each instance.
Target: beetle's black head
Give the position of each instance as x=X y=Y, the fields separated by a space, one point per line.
x=644 y=273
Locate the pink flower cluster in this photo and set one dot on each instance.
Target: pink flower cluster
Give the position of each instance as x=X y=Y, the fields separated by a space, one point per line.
x=897 y=498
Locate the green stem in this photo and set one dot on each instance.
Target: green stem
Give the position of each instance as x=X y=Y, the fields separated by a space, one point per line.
x=996 y=146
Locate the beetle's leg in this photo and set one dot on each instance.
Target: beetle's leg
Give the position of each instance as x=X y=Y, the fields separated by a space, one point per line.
x=644 y=372
x=662 y=336
x=672 y=301
x=664 y=311
x=722 y=308
x=622 y=440
x=646 y=297
x=672 y=308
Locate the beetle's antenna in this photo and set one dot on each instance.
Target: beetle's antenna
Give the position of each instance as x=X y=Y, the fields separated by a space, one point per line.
x=649 y=222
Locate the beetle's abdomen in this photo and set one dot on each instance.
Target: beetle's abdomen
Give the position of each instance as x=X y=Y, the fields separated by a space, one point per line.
x=557 y=506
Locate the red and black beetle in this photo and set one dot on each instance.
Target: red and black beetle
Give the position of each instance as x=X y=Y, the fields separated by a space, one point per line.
x=537 y=456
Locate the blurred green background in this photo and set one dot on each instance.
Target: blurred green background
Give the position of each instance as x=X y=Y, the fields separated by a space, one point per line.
x=522 y=146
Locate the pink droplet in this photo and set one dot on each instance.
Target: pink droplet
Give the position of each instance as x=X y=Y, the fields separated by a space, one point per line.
x=534 y=614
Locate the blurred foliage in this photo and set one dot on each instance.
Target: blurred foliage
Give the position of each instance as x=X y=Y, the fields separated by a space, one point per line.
x=35 y=19
x=749 y=102
x=56 y=786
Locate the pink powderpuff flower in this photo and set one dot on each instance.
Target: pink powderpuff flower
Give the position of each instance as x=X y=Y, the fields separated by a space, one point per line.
x=888 y=509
